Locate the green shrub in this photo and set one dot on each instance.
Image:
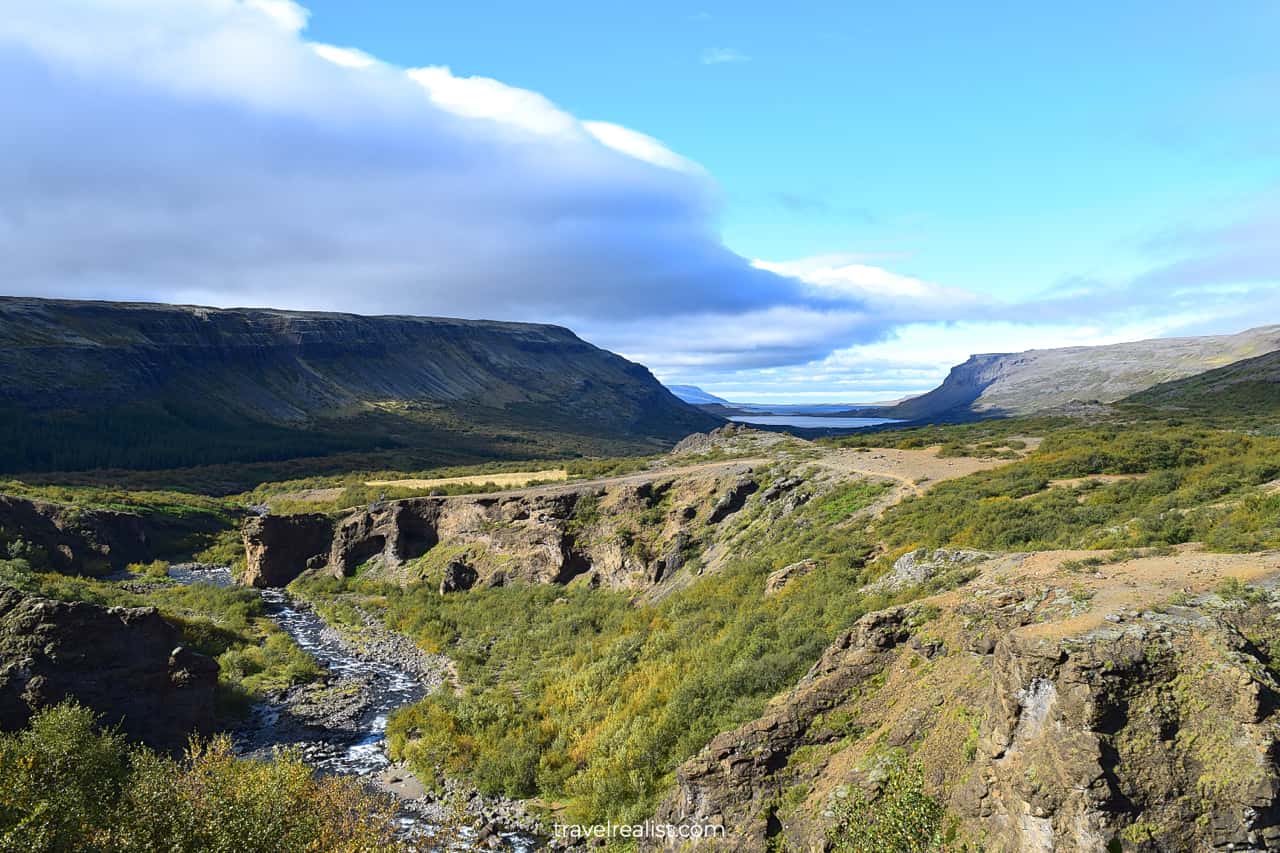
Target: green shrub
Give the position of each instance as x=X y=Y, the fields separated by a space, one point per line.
x=66 y=785
x=587 y=696
x=153 y=569
x=901 y=819
x=60 y=780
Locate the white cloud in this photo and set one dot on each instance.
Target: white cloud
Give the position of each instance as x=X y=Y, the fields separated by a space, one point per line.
x=207 y=152
x=721 y=56
x=348 y=57
x=641 y=147
x=835 y=276
x=284 y=13
x=482 y=97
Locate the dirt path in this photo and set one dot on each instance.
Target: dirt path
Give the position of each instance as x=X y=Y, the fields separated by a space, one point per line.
x=915 y=471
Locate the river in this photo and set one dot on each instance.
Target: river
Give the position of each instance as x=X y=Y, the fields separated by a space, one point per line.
x=355 y=745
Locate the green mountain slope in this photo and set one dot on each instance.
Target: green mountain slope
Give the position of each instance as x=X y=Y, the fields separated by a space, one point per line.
x=1032 y=381
x=1250 y=387
x=98 y=384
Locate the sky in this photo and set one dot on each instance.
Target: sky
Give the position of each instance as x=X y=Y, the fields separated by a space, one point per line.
x=816 y=201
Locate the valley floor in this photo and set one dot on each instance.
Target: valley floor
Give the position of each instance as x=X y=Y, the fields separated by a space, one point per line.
x=1025 y=635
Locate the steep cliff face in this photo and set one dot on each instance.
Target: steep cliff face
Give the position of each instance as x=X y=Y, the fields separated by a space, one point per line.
x=70 y=539
x=126 y=664
x=629 y=534
x=1043 y=721
x=288 y=379
x=1035 y=380
x=278 y=548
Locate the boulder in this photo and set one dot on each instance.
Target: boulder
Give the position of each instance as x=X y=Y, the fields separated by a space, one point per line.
x=779 y=488
x=922 y=565
x=458 y=577
x=775 y=582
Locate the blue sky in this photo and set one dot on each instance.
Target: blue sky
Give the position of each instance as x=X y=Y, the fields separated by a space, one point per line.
x=1001 y=146
x=912 y=182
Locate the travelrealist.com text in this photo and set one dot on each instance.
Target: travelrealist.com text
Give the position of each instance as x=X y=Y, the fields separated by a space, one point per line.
x=648 y=829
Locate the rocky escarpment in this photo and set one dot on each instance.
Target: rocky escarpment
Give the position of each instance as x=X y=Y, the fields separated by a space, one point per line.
x=95 y=384
x=278 y=548
x=628 y=535
x=70 y=539
x=127 y=664
x=1039 y=726
x=1035 y=380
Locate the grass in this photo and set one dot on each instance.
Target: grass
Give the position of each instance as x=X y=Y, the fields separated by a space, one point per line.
x=584 y=696
x=1201 y=485
x=229 y=624
x=592 y=698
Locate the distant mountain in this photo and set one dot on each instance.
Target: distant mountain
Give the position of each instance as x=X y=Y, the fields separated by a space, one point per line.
x=102 y=384
x=695 y=396
x=1248 y=387
x=1035 y=380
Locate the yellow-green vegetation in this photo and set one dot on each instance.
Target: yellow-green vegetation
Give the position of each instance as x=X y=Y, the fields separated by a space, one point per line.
x=592 y=698
x=67 y=785
x=901 y=817
x=180 y=524
x=980 y=438
x=585 y=696
x=1199 y=485
x=154 y=569
x=361 y=488
x=227 y=623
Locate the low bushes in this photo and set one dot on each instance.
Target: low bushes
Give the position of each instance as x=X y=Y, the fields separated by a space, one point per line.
x=67 y=785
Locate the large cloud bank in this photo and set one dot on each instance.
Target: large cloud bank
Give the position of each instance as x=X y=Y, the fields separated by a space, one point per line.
x=206 y=151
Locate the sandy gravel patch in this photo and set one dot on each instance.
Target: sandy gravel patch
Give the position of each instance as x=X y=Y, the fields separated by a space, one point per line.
x=514 y=479
x=1137 y=584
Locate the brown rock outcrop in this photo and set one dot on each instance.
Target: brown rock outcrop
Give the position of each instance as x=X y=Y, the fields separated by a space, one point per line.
x=732 y=500
x=278 y=548
x=777 y=581
x=1160 y=732
x=127 y=664
x=627 y=535
x=71 y=539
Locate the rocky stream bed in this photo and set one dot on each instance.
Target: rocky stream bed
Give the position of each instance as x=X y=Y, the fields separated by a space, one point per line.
x=339 y=722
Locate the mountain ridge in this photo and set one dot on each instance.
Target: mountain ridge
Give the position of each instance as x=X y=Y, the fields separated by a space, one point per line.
x=1019 y=383
x=1249 y=386
x=301 y=383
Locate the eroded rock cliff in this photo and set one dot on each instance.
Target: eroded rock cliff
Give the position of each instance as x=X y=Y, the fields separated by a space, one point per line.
x=1042 y=721
x=127 y=664
x=630 y=533
x=70 y=539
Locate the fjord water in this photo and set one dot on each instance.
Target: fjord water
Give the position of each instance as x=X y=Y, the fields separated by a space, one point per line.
x=811 y=421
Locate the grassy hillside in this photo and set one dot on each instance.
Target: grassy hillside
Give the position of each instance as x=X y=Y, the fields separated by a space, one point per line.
x=115 y=385
x=544 y=667
x=1027 y=382
x=1249 y=388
